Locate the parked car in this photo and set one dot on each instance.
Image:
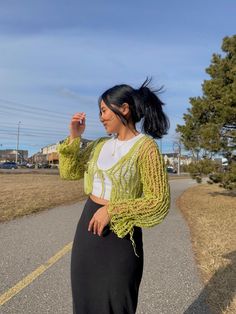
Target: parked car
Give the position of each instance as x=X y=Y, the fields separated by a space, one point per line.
x=44 y=166
x=29 y=165
x=171 y=170
x=8 y=165
x=54 y=166
x=22 y=164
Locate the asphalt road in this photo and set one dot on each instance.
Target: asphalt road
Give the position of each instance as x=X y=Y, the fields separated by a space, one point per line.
x=41 y=280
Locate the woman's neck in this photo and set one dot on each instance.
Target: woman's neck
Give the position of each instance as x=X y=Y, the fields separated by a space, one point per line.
x=126 y=134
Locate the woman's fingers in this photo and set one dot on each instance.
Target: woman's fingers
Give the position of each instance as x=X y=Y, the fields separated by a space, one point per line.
x=99 y=220
x=77 y=124
x=79 y=115
x=100 y=229
x=78 y=118
x=95 y=226
x=90 y=226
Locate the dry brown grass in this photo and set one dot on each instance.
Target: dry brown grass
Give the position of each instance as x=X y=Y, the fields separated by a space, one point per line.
x=211 y=215
x=25 y=193
x=22 y=194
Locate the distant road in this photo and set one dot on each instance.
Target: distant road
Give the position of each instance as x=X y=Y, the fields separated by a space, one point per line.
x=35 y=263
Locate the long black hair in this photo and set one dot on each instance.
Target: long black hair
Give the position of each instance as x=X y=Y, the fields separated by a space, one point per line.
x=144 y=105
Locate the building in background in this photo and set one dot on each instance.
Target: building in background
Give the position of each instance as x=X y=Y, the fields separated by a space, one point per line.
x=38 y=158
x=171 y=159
x=50 y=151
x=10 y=155
x=48 y=154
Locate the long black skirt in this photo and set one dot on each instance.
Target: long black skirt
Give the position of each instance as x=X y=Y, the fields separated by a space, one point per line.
x=105 y=272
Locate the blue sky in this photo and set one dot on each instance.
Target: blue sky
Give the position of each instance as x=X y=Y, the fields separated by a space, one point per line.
x=57 y=57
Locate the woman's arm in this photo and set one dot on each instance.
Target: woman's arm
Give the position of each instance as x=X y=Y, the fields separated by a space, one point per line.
x=153 y=207
x=72 y=159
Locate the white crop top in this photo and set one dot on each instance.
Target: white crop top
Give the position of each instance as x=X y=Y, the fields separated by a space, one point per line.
x=106 y=160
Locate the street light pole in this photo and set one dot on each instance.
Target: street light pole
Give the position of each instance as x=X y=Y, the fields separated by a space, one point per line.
x=177 y=149
x=179 y=156
x=17 y=144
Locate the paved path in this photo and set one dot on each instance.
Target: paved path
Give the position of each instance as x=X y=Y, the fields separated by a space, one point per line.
x=170 y=283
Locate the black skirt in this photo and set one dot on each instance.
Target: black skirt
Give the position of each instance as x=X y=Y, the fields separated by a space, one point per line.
x=105 y=272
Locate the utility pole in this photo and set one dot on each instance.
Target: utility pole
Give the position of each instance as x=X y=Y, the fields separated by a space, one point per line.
x=17 y=144
x=179 y=156
x=177 y=149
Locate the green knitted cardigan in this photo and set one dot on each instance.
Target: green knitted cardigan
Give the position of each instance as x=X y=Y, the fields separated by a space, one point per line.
x=140 y=199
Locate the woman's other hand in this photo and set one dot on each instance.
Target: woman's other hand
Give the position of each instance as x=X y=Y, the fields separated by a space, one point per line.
x=77 y=125
x=99 y=220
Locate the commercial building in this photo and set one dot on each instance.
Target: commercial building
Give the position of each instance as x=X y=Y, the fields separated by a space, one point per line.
x=10 y=155
x=48 y=154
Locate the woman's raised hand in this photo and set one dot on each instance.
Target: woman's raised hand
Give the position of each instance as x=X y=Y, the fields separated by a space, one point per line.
x=77 y=125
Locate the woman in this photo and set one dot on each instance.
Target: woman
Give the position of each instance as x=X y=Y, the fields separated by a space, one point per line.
x=127 y=184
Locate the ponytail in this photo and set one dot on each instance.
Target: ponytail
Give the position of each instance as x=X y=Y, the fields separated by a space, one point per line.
x=144 y=104
x=149 y=107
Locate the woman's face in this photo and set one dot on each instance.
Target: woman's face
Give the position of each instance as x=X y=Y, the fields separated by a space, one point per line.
x=110 y=120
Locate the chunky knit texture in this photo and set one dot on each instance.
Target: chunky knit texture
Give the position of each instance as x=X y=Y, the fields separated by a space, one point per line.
x=140 y=199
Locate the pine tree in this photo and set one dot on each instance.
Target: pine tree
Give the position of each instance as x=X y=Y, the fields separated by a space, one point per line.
x=210 y=124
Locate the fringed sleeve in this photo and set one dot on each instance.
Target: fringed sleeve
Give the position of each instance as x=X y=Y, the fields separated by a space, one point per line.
x=150 y=209
x=72 y=159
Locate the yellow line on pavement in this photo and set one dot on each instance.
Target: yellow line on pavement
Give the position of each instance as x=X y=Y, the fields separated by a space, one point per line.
x=32 y=276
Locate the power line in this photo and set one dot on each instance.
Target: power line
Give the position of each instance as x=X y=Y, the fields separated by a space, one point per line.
x=32 y=127
x=32 y=109
x=35 y=131
x=28 y=146
x=12 y=105
x=33 y=114
x=32 y=135
x=11 y=141
x=65 y=120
